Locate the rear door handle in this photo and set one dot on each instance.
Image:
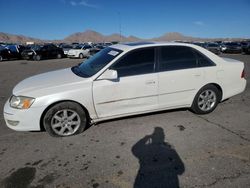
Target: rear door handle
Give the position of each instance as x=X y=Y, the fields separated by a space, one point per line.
x=150 y=82
x=197 y=75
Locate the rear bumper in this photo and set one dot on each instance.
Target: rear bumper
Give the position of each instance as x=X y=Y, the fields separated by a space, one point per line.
x=235 y=90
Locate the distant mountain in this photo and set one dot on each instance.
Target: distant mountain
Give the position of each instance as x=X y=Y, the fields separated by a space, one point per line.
x=93 y=36
x=10 y=38
x=85 y=36
x=175 y=36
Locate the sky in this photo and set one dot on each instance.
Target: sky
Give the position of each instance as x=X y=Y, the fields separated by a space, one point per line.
x=56 y=19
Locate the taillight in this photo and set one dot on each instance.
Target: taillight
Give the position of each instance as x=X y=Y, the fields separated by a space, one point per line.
x=243 y=74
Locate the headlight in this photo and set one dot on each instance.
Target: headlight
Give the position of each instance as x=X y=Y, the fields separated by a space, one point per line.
x=21 y=102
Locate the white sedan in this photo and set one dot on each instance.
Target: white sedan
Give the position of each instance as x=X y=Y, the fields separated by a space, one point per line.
x=124 y=80
x=79 y=51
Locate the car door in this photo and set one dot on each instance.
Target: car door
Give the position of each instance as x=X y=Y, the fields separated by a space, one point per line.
x=135 y=90
x=45 y=51
x=52 y=51
x=13 y=52
x=179 y=76
x=86 y=50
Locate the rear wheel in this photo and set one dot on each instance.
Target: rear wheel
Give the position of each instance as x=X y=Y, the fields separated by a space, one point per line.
x=81 y=56
x=1 y=58
x=59 y=56
x=65 y=119
x=37 y=57
x=206 y=100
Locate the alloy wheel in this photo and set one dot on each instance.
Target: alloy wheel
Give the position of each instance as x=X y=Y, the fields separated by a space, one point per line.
x=207 y=100
x=65 y=122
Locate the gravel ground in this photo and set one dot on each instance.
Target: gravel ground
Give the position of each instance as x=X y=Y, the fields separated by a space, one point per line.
x=191 y=151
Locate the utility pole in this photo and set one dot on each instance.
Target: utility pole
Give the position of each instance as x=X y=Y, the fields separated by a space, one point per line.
x=120 y=26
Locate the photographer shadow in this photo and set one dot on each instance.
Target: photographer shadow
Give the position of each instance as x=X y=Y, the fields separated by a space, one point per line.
x=160 y=164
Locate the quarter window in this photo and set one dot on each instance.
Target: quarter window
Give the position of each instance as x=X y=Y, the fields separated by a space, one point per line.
x=176 y=58
x=137 y=62
x=203 y=61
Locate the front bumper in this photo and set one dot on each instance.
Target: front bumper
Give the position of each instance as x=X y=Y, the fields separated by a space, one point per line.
x=230 y=50
x=23 y=120
x=72 y=55
x=27 y=57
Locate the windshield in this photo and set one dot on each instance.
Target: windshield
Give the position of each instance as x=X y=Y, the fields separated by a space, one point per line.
x=35 y=47
x=66 y=46
x=94 y=64
x=2 y=48
x=232 y=44
x=212 y=45
x=12 y=48
x=78 y=47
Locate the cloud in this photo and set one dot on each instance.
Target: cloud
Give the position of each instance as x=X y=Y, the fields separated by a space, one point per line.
x=73 y=3
x=84 y=3
x=199 y=23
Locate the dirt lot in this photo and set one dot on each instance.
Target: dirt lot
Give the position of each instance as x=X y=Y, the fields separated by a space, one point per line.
x=193 y=151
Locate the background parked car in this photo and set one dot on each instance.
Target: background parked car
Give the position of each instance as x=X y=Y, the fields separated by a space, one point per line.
x=201 y=44
x=38 y=52
x=11 y=52
x=96 y=49
x=246 y=47
x=213 y=47
x=4 y=53
x=231 y=47
x=79 y=51
x=65 y=48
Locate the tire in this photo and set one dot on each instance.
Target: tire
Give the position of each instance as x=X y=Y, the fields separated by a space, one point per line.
x=65 y=119
x=206 y=100
x=59 y=56
x=37 y=57
x=81 y=56
x=1 y=58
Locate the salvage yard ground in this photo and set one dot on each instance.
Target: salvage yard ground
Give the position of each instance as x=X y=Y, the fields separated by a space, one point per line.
x=166 y=149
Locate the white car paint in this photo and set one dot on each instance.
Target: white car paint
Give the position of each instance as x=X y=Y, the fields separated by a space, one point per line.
x=106 y=99
x=75 y=53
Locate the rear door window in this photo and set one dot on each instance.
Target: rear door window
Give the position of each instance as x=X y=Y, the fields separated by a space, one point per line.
x=177 y=58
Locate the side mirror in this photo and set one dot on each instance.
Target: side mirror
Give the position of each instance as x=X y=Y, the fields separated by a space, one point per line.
x=109 y=75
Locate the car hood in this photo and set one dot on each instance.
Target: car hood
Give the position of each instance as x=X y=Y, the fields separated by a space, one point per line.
x=47 y=80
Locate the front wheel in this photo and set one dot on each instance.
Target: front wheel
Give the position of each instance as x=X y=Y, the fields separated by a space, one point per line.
x=65 y=119
x=206 y=100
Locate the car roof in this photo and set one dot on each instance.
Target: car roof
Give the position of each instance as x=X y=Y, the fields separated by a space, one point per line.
x=125 y=47
x=136 y=45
